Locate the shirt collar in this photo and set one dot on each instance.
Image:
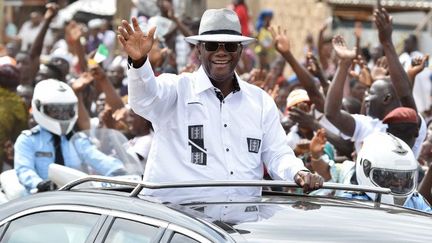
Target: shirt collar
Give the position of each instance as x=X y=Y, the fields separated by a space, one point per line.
x=202 y=81
x=49 y=135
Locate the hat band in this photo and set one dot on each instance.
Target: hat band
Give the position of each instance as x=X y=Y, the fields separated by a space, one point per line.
x=214 y=32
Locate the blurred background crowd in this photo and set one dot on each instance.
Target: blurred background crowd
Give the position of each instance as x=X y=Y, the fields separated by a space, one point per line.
x=75 y=41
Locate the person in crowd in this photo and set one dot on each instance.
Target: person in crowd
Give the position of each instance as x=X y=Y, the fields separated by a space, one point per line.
x=13 y=113
x=325 y=51
x=29 y=30
x=307 y=82
x=26 y=94
x=94 y=92
x=32 y=65
x=54 y=107
x=241 y=9
x=197 y=116
x=382 y=97
x=141 y=132
x=95 y=37
x=55 y=68
x=425 y=186
x=265 y=48
x=12 y=48
x=299 y=99
x=357 y=90
x=116 y=75
x=388 y=162
x=422 y=83
x=23 y=64
x=174 y=40
x=425 y=157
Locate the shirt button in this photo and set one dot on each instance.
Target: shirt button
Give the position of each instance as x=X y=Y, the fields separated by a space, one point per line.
x=227 y=149
x=231 y=173
x=223 y=101
x=225 y=125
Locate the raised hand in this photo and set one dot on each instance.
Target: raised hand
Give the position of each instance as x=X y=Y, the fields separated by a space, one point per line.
x=167 y=9
x=304 y=119
x=380 y=69
x=136 y=43
x=364 y=76
x=106 y=117
x=417 y=65
x=281 y=41
x=383 y=21
x=258 y=77
x=341 y=49
x=81 y=82
x=316 y=146
x=313 y=65
x=98 y=73
x=51 y=12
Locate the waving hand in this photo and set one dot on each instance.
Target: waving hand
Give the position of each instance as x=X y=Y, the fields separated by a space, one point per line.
x=136 y=43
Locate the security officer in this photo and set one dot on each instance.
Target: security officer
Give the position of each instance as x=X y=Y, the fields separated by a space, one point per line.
x=54 y=107
x=388 y=162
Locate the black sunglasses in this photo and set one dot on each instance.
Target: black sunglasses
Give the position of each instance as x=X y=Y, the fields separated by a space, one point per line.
x=229 y=46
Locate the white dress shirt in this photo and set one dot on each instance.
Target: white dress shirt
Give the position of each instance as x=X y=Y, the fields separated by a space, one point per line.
x=199 y=137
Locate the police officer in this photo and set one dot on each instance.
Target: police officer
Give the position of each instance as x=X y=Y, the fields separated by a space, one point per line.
x=54 y=107
x=388 y=162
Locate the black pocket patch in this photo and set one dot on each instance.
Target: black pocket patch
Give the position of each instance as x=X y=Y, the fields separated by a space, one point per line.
x=196 y=141
x=253 y=145
x=251 y=209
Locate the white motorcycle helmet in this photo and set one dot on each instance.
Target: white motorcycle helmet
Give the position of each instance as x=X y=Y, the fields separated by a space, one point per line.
x=386 y=161
x=55 y=106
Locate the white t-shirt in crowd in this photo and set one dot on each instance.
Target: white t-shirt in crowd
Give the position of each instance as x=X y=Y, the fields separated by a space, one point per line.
x=365 y=125
x=422 y=88
x=28 y=34
x=140 y=146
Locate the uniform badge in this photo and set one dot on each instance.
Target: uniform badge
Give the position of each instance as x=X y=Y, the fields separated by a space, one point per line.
x=39 y=154
x=253 y=145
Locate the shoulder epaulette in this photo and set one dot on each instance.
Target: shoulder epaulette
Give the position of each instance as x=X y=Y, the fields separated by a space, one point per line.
x=30 y=132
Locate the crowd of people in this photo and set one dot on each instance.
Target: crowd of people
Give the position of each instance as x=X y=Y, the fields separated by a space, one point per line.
x=211 y=101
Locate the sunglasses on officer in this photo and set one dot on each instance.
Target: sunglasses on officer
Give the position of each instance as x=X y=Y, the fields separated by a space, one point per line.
x=228 y=46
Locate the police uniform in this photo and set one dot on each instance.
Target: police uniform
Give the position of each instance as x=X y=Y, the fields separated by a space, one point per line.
x=414 y=201
x=34 y=152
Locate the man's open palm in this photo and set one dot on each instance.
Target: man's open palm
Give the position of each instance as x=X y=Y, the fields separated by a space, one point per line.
x=136 y=43
x=341 y=49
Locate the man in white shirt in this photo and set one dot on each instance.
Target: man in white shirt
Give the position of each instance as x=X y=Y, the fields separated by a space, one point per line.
x=210 y=124
x=29 y=30
x=422 y=86
x=383 y=97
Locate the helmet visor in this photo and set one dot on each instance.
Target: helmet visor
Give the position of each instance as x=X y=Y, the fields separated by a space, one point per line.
x=62 y=112
x=399 y=182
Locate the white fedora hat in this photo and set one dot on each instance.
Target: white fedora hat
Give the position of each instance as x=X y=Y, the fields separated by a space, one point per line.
x=219 y=25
